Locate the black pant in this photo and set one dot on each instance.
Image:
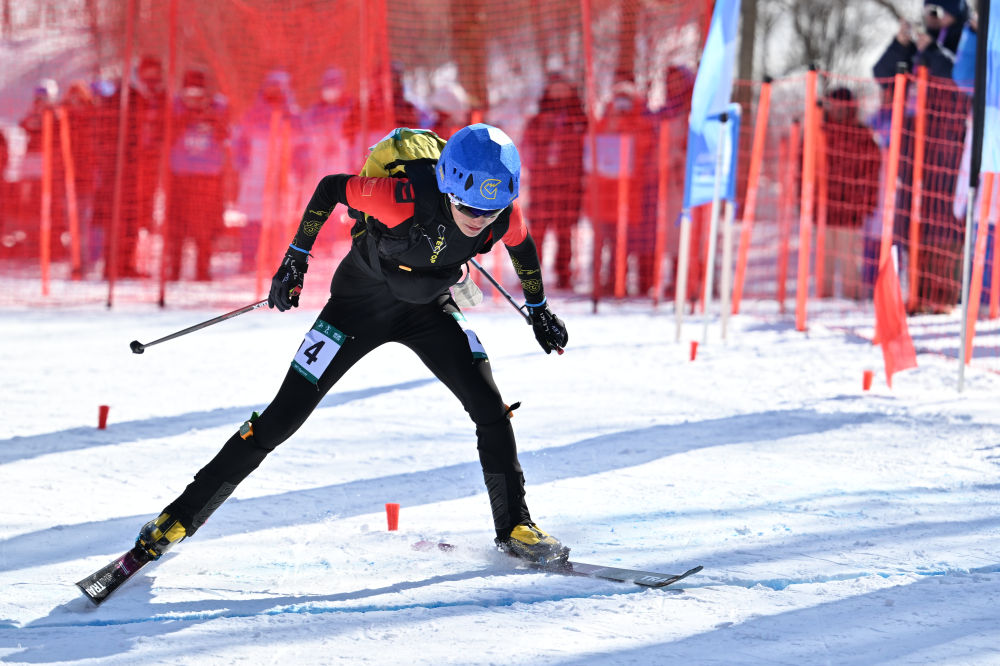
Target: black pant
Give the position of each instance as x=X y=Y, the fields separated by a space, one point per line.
x=370 y=316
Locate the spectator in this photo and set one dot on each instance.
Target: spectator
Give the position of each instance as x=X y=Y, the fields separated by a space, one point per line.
x=553 y=154
x=964 y=71
x=940 y=232
x=622 y=138
x=852 y=171
x=881 y=125
x=198 y=162
x=450 y=105
x=406 y=113
x=332 y=123
x=81 y=117
x=144 y=134
x=29 y=187
x=271 y=126
x=933 y=45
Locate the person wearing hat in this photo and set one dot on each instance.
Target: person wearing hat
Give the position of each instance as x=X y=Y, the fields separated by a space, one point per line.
x=199 y=158
x=29 y=188
x=553 y=155
x=932 y=44
x=269 y=132
x=414 y=234
x=331 y=124
x=853 y=161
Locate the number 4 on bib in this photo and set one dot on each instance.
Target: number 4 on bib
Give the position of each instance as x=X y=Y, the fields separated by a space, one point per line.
x=318 y=348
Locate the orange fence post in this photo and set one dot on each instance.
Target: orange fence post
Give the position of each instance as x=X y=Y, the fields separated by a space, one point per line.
x=364 y=88
x=586 y=18
x=822 y=190
x=111 y=256
x=892 y=173
x=978 y=262
x=916 y=201
x=753 y=185
x=808 y=200
x=660 y=239
x=381 y=36
x=72 y=211
x=168 y=142
x=45 y=232
x=788 y=151
x=621 y=223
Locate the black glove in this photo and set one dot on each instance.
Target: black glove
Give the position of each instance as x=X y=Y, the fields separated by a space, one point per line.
x=287 y=282
x=550 y=331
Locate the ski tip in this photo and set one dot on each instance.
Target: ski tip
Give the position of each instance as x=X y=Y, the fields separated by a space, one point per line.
x=83 y=585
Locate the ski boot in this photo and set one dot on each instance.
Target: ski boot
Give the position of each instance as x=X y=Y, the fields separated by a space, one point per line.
x=531 y=544
x=158 y=536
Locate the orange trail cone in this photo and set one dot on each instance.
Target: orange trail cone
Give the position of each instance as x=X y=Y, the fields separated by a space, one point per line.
x=392 y=515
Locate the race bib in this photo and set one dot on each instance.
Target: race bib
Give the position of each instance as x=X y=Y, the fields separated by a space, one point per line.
x=475 y=346
x=318 y=348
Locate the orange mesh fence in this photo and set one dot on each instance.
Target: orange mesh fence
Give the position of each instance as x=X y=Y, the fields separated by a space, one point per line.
x=850 y=166
x=930 y=222
x=185 y=184
x=769 y=272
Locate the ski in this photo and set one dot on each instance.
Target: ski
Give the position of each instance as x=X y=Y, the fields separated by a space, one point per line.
x=99 y=585
x=572 y=568
x=617 y=574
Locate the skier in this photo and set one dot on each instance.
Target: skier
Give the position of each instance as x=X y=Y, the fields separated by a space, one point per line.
x=412 y=238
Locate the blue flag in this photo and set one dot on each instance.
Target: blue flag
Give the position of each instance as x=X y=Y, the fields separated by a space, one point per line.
x=699 y=175
x=712 y=91
x=991 y=131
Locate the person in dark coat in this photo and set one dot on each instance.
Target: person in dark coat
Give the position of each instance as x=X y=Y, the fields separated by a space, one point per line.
x=553 y=149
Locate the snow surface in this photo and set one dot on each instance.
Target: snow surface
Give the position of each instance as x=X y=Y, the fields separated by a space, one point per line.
x=835 y=525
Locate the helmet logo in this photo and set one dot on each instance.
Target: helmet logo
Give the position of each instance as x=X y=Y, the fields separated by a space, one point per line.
x=489 y=188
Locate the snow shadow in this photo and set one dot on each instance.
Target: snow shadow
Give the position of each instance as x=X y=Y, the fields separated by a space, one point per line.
x=895 y=624
x=74 y=439
x=68 y=631
x=589 y=456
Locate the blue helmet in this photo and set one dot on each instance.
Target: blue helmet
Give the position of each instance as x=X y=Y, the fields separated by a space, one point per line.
x=480 y=167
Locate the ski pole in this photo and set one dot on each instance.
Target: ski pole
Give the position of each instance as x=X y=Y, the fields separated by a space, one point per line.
x=499 y=287
x=138 y=347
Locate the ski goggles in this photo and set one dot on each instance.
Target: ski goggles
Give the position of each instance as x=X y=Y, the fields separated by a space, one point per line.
x=473 y=212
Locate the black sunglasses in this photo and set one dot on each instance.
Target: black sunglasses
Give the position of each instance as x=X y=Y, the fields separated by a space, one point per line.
x=473 y=212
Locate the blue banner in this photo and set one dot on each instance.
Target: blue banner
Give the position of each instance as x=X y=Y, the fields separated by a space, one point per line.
x=699 y=175
x=712 y=91
x=991 y=130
